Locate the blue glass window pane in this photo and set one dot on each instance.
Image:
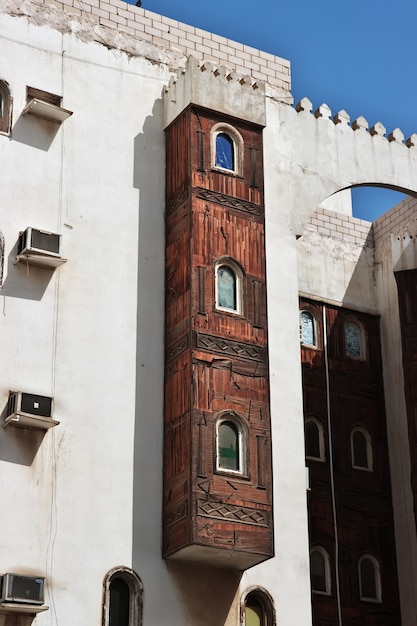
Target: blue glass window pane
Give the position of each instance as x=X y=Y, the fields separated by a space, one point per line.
x=307 y=328
x=228 y=446
x=353 y=340
x=226 y=288
x=224 y=152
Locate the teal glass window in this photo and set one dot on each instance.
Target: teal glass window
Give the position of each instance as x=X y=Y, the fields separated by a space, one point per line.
x=228 y=446
x=307 y=328
x=353 y=340
x=225 y=152
x=226 y=288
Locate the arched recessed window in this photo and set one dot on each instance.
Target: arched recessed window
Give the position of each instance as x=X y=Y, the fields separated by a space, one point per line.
x=258 y=609
x=361 y=449
x=320 y=571
x=314 y=439
x=1 y=257
x=5 y=108
x=225 y=152
x=227 y=148
x=228 y=287
x=369 y=579
x=354 y=340
x=308 y=329
x=122 y=602
x=231 y=445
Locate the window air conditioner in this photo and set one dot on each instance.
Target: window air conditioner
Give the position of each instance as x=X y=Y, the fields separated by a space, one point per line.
x=29 y=410
x=22 y=589
x=46 y=105
x=39 y=247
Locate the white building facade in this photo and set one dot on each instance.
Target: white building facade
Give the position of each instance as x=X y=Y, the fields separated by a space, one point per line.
x=82 y=500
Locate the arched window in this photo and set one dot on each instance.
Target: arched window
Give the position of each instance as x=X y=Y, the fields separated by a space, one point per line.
x=225 y=152
x=308 y=331
x=227 y=148
x=361 y=449
x=5 y=108
x=320 y=571
x=228 y=287
x=122 y=603
x=230 y=445
x=369 y=579
x=354 y=340
x=314 y=439
x=258 y=609
x=1 y=257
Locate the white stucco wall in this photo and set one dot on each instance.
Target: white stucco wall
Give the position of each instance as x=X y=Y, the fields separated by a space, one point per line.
x=87 y=495
x=72 y=333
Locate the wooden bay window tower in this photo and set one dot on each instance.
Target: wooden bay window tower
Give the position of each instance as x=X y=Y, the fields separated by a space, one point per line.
x=217 y=441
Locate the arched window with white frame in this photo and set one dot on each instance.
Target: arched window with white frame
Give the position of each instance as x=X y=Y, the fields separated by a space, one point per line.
x=320 y=571
x=228 y=286
x=308 y=329
x=227 y=148
x=5 y=108
x=123 y=598
x=257 y=608
x=369 y=579
x=231 y=444
x=355 y=340
x=361 y=449
x=314 y=439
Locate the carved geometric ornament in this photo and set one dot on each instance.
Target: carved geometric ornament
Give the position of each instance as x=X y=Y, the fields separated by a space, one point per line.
x=229 y=201
x=229 y=347
x=230 y=513
x=177 y=348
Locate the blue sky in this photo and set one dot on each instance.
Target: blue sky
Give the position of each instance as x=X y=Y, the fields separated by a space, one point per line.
x=359 y=56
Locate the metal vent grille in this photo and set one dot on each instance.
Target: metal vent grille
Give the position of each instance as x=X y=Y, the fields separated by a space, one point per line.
x=28 y=589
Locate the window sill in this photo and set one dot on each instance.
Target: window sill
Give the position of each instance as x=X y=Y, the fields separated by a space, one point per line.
x=221 y=170
x=310 y=346
x=230 y=474
x=363 y=469
x=228 y=312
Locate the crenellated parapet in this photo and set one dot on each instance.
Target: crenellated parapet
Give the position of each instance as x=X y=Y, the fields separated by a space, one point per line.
x=360 y=123
x=320 y=154
x=217 y=88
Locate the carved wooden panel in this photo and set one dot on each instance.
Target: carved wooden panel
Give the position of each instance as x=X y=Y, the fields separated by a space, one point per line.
x=216 y=360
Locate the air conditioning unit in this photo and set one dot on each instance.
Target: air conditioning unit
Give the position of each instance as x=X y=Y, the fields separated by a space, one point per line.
x=39 y=247
x=22 y=589
x=46 y=105
x=29 y=411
